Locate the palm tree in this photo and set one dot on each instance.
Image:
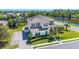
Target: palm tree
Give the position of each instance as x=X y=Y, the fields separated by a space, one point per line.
x=66 y=26
x=51 y=30
x=58 y=30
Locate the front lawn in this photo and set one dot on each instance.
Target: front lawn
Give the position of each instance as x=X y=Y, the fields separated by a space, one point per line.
x=69 y=34
x=39 y=40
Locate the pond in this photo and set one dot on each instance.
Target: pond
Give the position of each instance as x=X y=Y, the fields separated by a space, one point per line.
x=73 y=24
x=61 y=19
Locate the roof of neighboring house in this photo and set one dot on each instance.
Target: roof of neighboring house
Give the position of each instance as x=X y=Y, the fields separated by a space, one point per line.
x=12 y=14
x=40 y=19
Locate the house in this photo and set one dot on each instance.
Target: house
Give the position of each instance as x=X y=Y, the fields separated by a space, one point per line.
x=11 y=15
x=40 y=25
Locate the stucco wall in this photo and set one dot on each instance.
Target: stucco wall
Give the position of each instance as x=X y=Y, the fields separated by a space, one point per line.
x=41 y=32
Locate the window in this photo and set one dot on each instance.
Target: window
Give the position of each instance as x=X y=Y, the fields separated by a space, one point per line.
x=37 y=24
x=46 y=32
x=33 y=24
x=45 y=24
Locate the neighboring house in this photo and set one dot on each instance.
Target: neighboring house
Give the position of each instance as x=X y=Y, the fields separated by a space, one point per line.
x=11 y=15
x=40 y=25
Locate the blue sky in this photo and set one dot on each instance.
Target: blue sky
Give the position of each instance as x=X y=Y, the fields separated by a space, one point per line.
x=39 y=4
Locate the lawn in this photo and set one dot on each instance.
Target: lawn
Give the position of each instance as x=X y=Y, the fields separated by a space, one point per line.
x=39 y=40
x=69 y=34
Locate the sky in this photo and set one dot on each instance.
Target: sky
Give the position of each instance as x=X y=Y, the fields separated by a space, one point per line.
x=39 y=4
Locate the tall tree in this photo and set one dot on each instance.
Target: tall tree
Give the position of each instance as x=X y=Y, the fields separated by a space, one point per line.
x=66 y=26
x=3 y=32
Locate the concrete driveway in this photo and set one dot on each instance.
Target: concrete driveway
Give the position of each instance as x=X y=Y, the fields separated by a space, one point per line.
x=68 y=45
x=18 y=39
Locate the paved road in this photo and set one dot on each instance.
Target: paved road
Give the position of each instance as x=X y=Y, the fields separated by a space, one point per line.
x=69 y=45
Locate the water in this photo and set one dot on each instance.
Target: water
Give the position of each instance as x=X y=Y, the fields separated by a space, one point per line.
x=61 y=19
x=73 y=24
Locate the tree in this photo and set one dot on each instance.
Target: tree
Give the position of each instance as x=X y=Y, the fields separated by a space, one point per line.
x=12 y=23
x=3 y=32
x=51 y=30
x=69 y=16
x=66 y=26
x=58 y=30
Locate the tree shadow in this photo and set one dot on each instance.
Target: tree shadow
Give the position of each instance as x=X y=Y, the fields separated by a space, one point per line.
x=67 y=30
x=58 y=38
x=51 y=39
x=37 y=39
x=3 y=44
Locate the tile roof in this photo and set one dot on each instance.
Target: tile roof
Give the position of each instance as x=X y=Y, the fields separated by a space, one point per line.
x=39 y=19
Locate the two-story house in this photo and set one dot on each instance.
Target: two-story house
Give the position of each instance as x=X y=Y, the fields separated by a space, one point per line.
x=40 y=25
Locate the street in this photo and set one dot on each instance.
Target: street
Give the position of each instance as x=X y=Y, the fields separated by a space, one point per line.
x=68 y=45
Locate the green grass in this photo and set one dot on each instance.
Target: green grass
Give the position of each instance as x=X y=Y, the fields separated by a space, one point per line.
x=13 y=47
x=71 y=40
x=69 y=34
x=20 y=27
x=46 y=45
x=8 y=39
x=40 y=40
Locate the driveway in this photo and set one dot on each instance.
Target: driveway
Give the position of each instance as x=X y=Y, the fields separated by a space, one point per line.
x=69 y=45
x=18 y=39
